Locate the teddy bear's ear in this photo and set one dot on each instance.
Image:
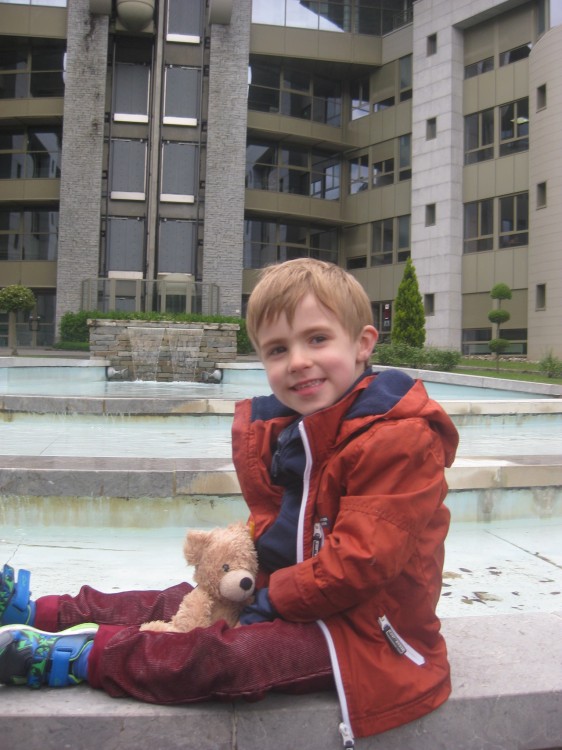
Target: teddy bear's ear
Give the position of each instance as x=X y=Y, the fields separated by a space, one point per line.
x=194 y=545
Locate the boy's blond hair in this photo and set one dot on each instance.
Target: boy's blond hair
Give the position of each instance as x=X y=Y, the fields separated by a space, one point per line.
x=281 y=287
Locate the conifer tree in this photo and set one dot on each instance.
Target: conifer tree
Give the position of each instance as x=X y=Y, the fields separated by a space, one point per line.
x=408 y=326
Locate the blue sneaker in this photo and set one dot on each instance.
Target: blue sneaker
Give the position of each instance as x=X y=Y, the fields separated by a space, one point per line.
x=16 y=607
x=34 y=658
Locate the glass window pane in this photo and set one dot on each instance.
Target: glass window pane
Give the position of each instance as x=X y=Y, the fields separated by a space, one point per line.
x=184 y=17
x=179 y=169
x=128 y=167
x=406 y=72
x=182 y=94
x=125 y=244
x=487 y=217
x=131 y=89
x=177 y=247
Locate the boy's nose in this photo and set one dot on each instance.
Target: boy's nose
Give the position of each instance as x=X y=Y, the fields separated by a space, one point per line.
x=298 y=359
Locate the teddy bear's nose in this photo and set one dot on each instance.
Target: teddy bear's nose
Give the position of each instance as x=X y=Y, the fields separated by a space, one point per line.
x=246 y=584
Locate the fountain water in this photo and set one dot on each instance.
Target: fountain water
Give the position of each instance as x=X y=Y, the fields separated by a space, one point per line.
x=146 y=344
x=184 y=345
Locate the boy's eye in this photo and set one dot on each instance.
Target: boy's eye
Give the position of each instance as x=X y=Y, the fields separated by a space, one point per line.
x=276 y=350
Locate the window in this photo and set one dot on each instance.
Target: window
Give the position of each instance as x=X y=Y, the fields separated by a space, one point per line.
x=513 y=55
x=405 y=78
x=264 y=88
x=475 y=340
x=478 y=226
x=267 y=242
x=181 y=95
x=477 y=68
x=177 y=246
x=514 y=220
x=125 y=244
x=383 y=104
x=382 y=242
x=325 y=176
x=127 y=170
x=431 y=129
x=292 y=170
x=31 y=69
x=360 y=261
x=431 y=44
x=382 y=318
x=405 y=158
x=430 y=215
x=540 y=297
x=184 y=21
x=479 y=136
x=383 y=173
x=358 y=174
x=179 y=172
x=359 y=95
x=541 y=195
x=403 y=238
x=429 y=304
x=294 y=93
x=131 y=92
x=28 y=233
x=514 y=127
x=541 y=97
x=29 y=153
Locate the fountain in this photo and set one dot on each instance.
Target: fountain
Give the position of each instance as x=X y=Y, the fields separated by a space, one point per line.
x=162 y=351
x=146 y=344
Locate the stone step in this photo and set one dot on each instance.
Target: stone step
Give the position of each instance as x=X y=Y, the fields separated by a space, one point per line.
x=507 y=694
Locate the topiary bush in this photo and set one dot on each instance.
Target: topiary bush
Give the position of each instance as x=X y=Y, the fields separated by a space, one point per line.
x=16 y=297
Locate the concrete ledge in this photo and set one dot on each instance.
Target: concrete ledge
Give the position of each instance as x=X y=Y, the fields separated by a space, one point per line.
x=507 y=695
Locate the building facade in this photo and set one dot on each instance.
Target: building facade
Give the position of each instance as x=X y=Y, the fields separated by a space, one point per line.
x=154 y=141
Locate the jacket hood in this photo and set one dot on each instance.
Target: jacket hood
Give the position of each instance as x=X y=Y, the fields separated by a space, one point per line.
x=390 y=394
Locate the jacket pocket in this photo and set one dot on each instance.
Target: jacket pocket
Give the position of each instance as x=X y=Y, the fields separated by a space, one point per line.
x=398 y=643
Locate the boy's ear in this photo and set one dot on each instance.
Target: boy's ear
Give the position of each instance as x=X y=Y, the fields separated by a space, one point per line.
x=367 y=340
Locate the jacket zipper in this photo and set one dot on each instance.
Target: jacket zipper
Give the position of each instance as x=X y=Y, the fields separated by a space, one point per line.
x=398 y=643
x=345 y=725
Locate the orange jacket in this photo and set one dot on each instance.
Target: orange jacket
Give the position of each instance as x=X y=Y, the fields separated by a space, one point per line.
x=369 y=547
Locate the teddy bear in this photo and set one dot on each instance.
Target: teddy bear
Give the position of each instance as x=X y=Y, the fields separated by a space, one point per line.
x=226 y=566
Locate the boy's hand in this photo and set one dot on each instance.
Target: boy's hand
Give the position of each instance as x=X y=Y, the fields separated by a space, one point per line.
x=260 y=610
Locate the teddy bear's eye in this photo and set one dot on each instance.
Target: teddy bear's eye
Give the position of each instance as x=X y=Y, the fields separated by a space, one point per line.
x=226 y=567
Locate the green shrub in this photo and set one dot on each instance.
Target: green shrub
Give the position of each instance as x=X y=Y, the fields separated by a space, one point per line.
x=551 y=366
x=403 y=355
x=443 y=360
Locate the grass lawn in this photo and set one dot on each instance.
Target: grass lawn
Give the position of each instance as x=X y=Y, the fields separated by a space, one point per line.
x=509 y=369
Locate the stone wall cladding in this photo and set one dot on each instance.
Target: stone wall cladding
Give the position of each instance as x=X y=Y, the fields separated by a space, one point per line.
x=226 y=153
x=82 y=153
x=163 y=350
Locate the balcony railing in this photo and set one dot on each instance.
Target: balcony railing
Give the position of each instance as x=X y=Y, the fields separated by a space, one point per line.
x=171 y=293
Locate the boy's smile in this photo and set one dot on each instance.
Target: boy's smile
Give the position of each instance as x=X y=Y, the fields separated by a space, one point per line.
x=311 y=363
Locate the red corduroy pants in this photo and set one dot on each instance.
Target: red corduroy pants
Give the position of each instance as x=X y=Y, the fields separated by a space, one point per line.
x=218 y=662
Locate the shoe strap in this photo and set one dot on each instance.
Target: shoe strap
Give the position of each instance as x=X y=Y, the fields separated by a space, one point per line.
x=66 y=649
x=17 y=609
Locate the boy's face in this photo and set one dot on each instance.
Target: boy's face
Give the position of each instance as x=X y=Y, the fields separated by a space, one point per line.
x=312 y=362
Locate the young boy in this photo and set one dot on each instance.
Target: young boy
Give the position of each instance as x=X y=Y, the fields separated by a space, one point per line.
x=343 y=472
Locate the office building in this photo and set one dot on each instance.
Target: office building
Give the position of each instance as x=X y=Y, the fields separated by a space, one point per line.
x=178 y=145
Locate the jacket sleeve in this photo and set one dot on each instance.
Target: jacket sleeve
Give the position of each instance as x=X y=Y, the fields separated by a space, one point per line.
x=394 y=483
